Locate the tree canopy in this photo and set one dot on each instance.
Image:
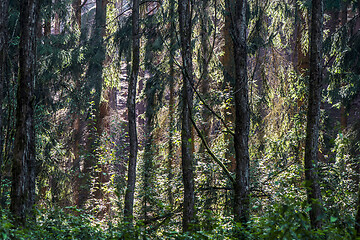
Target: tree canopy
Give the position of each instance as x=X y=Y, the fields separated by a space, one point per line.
x=178 y=119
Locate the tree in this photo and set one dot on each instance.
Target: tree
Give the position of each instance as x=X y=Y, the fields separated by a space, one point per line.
x=184 y=9
x=23 y=169
x=242 y=112
x=130 y=190
x=313 y=114
x=95 y=82
x=171 y=148
x=3 y=68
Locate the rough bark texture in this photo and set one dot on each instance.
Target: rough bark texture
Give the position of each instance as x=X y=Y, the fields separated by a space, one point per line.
x=23 y=169
x=3 y=67
x=171 y=104
x=184 y=9
x=129 y=195
x=76 y=5
x=313 y=114
x=205 y=81
x=228 y=63
x=205 y=113
x=242 y=113
x=77 y=124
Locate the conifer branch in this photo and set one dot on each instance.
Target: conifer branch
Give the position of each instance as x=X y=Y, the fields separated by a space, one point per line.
x=217 y=160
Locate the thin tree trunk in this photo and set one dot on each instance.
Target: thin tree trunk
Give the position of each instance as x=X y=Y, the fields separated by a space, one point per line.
x=184 y=9
x=205 y=87
x=150 y=113
x=228 y=63
x=23 y=169
x=171 y=104
x=130 y=190
x=205 y=113
x=77 y=124
x=3 y=70
x=313 y=114
x=357 y=219
x=242 y=113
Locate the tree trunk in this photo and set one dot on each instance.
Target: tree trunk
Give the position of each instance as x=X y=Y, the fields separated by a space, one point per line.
x=357 y=219
x=205 y=87
x=95 y=82
x=77 y=124
x=3 y=69
x=23 y=169
x=313 y=114
x=130 y=190
x=184 y=9
x=150 y=114
x=76 y=5
x=228 y=63
x=242 y=112
x=171 y=103
x=205 y=113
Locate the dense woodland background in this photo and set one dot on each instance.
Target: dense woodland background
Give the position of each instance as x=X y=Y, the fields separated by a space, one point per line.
x=212 y=119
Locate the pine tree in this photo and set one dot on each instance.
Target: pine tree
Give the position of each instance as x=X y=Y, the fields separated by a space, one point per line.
x=23 y=169
x=313 y=114
x=130 y=190
x=185 y=22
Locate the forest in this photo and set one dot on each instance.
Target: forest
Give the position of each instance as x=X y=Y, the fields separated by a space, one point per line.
x=180 y=119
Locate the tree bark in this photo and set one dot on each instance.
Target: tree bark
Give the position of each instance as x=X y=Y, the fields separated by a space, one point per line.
x=150 y=114
x=4 y=5
x=76 y=5
x=95 y=82
x=205 y=87
x=357 y=219
x=184 y=9
x=23 y=169
x=171 y=103
x=242 y=112
x=130 y=190
x=228 y=63
x=313 y=115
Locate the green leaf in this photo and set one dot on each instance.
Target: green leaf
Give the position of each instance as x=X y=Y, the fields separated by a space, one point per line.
x=333 y=219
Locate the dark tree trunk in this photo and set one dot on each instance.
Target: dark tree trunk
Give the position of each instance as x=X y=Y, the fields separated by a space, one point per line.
x=313 y=114
x=184 y=9
x=355 y=153
x=228 y=63
x=205 y=81
x=172 y=102
x=77 y=124
x=76 y=5
x=148 y=183
x=95 y=82
x=205 y=113
x=47 y=17
x=130 y=190
x=357 y=219
x=242 y=112
x=23 y=169
x=150 y=113
x=3 y=69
